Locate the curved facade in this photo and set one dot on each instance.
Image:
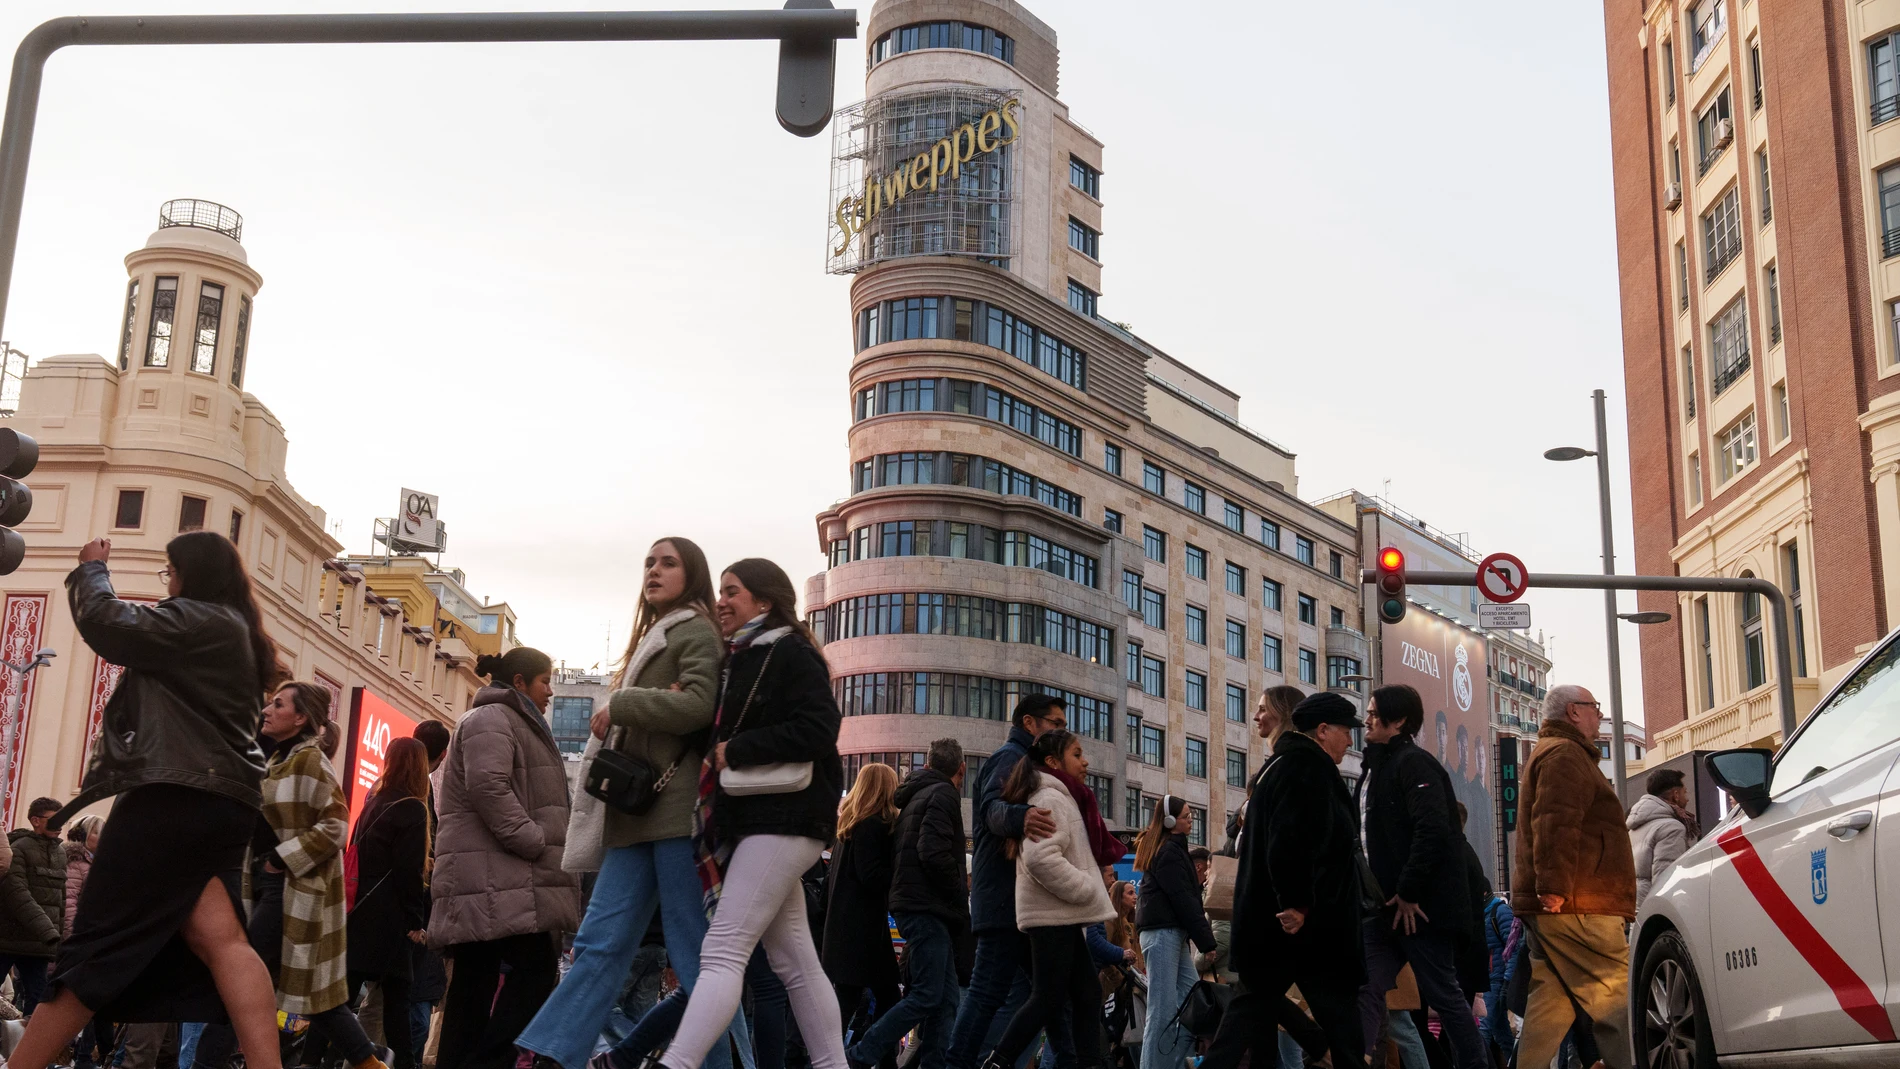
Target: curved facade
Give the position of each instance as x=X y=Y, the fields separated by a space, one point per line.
x=1039 y=500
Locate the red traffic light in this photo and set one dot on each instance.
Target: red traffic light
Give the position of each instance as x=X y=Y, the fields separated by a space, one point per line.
x=1391 y=560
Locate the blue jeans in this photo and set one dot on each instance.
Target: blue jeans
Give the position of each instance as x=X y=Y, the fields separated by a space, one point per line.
x=999 y=981
x=1171 y=973
x=419 y=1014
x=1497 y=1018
x=188 y=1035
x=1406 y=1040
x=634 y=881
x=1433 y=958
x=929 y=1004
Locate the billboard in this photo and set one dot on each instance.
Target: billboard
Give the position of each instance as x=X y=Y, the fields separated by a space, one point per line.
x=1445 y=663
x=416 y=526
x=374 y=724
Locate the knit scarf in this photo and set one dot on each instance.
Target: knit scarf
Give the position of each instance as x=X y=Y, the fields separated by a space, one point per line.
x=1106 y=848
x=711 y=853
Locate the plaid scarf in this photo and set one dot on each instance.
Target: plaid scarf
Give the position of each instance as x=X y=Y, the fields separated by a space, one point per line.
x=710 y=853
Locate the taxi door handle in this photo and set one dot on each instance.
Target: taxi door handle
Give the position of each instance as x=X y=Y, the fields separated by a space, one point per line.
x=1851 y=825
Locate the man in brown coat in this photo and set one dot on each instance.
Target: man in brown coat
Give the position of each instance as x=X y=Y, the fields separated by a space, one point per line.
x=1574 y=885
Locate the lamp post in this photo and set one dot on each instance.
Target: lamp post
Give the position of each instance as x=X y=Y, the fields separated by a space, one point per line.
x=15 y=693
x=1610 y=615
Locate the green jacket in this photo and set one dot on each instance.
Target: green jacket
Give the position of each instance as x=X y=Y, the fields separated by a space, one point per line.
x=33 y=895
x=662 y=724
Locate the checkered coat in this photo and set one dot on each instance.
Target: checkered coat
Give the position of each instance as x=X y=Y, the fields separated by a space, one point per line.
x=306 y=809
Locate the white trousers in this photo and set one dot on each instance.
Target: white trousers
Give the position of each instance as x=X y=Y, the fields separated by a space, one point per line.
x=762 y=903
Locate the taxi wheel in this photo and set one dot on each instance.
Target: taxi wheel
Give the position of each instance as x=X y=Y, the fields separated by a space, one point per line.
x=1674 y=1030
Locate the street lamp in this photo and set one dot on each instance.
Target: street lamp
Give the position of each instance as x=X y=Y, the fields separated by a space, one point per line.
x=1610 y=615
x=1644 y=617
x=15 y=694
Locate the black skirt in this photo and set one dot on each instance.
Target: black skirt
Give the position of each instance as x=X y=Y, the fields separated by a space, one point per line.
x=126 y=958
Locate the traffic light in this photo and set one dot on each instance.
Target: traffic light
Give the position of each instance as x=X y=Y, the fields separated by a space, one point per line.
x=1391 y=585
x=18 y=454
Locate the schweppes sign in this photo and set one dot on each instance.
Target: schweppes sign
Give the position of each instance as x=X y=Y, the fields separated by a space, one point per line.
x=923 y=173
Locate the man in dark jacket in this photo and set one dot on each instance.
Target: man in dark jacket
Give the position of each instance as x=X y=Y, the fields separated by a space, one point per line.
x=1414 y=847
x=930 y=901
x=1000 y=979
x=32 y=904
x=1296 y=894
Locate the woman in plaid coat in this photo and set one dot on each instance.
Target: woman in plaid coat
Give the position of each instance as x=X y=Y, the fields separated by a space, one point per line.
x=298 y=919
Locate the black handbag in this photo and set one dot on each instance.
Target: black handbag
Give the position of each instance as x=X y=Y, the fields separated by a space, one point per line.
x=626 y=782
x=1204 y=1006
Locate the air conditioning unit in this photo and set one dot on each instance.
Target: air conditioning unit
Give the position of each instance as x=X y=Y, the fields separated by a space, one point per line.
x=1724 y=132
x=1672 y=195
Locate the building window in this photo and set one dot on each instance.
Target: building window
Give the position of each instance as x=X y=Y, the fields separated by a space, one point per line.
x=1236 y=703
x=1707 y=639
x=1338 y=617
x=1309 y=666
x=959 y=469
x=1131 y=591
x=1309 y=609
x=1197 y=831
x=1196 y=625
x=1112 y=520
x=237 y=525
x=204 y=349
x=1688 y=384
x=1195 y=753
x=1884 y=78
x=1269 y=534
x=1779 y=397
x=1236 y=768
x=1736 y=448
x=1236 y=580
x=1082 y=299
x=1233 y=516
x=1682 y=277
x=1112 y=459
x=1131 y=807
x=1154 y=746
x=1085 y=178
x=1754 y=73
x=1773 y=285
x=1237 y=640
x=1085 y=239
x=1669 y=73
x=1196 y=696
x=963 y=319
x=1791 y=563
x=1708 y=20
x=1154 y=612
x=1754 y=646
x=1761 y=182
x=242 y=342
x=1695 y=479
x=1154 y=680
x=158 y=340
x=1713 y=131
x=1889 y=212
x=191 y=514
x=1336 y=564
x=1303 y=550
x=131 y=320
x=1194 y=497
x=1154 y=479
x=1728 y=345
x=962 y=35
x=1270 y=653
x=131 y=511
x=972 y=398
x=1270 y=591
x=1154 y=545
x=1722 y=234
x=1338 y=668
x=1196 y=562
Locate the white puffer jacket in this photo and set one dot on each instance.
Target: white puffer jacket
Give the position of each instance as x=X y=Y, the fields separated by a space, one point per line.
x=1057 y=879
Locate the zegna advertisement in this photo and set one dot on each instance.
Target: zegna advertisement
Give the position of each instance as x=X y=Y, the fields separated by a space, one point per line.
x=1445 y=663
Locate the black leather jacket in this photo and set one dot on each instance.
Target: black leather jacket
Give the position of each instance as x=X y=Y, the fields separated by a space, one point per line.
x=185 y=711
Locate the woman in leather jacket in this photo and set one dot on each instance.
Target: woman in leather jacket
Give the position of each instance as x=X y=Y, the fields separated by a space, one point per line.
x=159 y=934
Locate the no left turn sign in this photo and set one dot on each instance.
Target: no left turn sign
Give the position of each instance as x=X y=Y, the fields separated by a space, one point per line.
x=1502 y=578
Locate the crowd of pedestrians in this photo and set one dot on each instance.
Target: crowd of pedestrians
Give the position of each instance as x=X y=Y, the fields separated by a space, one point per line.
x=487 y=912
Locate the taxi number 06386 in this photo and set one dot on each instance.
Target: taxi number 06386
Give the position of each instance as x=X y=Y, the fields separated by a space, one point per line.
x=1740 y=959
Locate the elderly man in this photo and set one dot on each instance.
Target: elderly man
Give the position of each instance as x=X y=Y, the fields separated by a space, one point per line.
x=1574 y=885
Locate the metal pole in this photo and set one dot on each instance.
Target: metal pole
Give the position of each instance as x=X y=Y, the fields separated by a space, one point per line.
x=804 y=99
x=1695 y=584
x=1614 y=639
x=7 y=737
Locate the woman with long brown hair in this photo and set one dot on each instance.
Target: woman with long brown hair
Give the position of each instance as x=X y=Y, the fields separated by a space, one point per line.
x=159 y=933
x=658 y=712
x=389 y=906
x=1168 y=915
x=857 y=953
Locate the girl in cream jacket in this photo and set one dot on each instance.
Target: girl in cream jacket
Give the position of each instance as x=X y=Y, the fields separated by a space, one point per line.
x=1060 y=890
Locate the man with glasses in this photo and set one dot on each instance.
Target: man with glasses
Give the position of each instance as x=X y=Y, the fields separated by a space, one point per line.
x=1574 y=886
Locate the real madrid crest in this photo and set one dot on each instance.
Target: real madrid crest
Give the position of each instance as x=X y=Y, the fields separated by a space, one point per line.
x=1461 y=679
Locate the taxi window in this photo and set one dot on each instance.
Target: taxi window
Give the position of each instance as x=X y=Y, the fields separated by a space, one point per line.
x=1864 y=715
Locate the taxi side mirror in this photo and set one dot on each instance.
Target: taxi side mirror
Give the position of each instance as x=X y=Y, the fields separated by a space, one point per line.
x=1744 y=775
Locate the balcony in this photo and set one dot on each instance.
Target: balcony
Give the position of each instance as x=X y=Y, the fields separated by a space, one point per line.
x=1753 y=718
x=1726 y=374
x=1890 y=243
x=204 y=214
x=1885 y=108
x=1347 y=642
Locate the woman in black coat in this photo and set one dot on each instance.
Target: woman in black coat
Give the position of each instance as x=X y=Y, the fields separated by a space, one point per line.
x=857 y=945
x=390 y=901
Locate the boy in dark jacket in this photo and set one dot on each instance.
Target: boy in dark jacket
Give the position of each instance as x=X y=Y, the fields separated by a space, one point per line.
x=930 y=902
x=1416 y=851
x=32 y=905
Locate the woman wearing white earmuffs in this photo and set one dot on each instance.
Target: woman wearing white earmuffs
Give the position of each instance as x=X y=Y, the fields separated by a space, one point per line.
x=1168 y=915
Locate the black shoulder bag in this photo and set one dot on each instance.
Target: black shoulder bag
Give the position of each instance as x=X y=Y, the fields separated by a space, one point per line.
x=624 y=781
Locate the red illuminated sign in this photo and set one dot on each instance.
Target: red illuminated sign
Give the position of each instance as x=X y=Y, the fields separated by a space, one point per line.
x=374 y=724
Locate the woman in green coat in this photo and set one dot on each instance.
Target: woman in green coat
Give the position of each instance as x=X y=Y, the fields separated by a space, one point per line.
x=661 y=704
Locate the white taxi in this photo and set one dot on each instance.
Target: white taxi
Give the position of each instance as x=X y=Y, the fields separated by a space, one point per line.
x=1775 y=940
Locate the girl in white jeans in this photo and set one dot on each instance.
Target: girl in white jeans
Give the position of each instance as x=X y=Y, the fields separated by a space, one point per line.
x=775 y=709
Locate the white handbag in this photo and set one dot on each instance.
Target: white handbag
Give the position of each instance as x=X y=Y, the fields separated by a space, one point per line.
x=780 y=777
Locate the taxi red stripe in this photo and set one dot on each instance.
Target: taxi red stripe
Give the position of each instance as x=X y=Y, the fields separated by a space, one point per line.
x=1849 y=989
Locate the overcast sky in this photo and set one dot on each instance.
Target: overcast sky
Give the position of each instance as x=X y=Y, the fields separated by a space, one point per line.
x=578 y=290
